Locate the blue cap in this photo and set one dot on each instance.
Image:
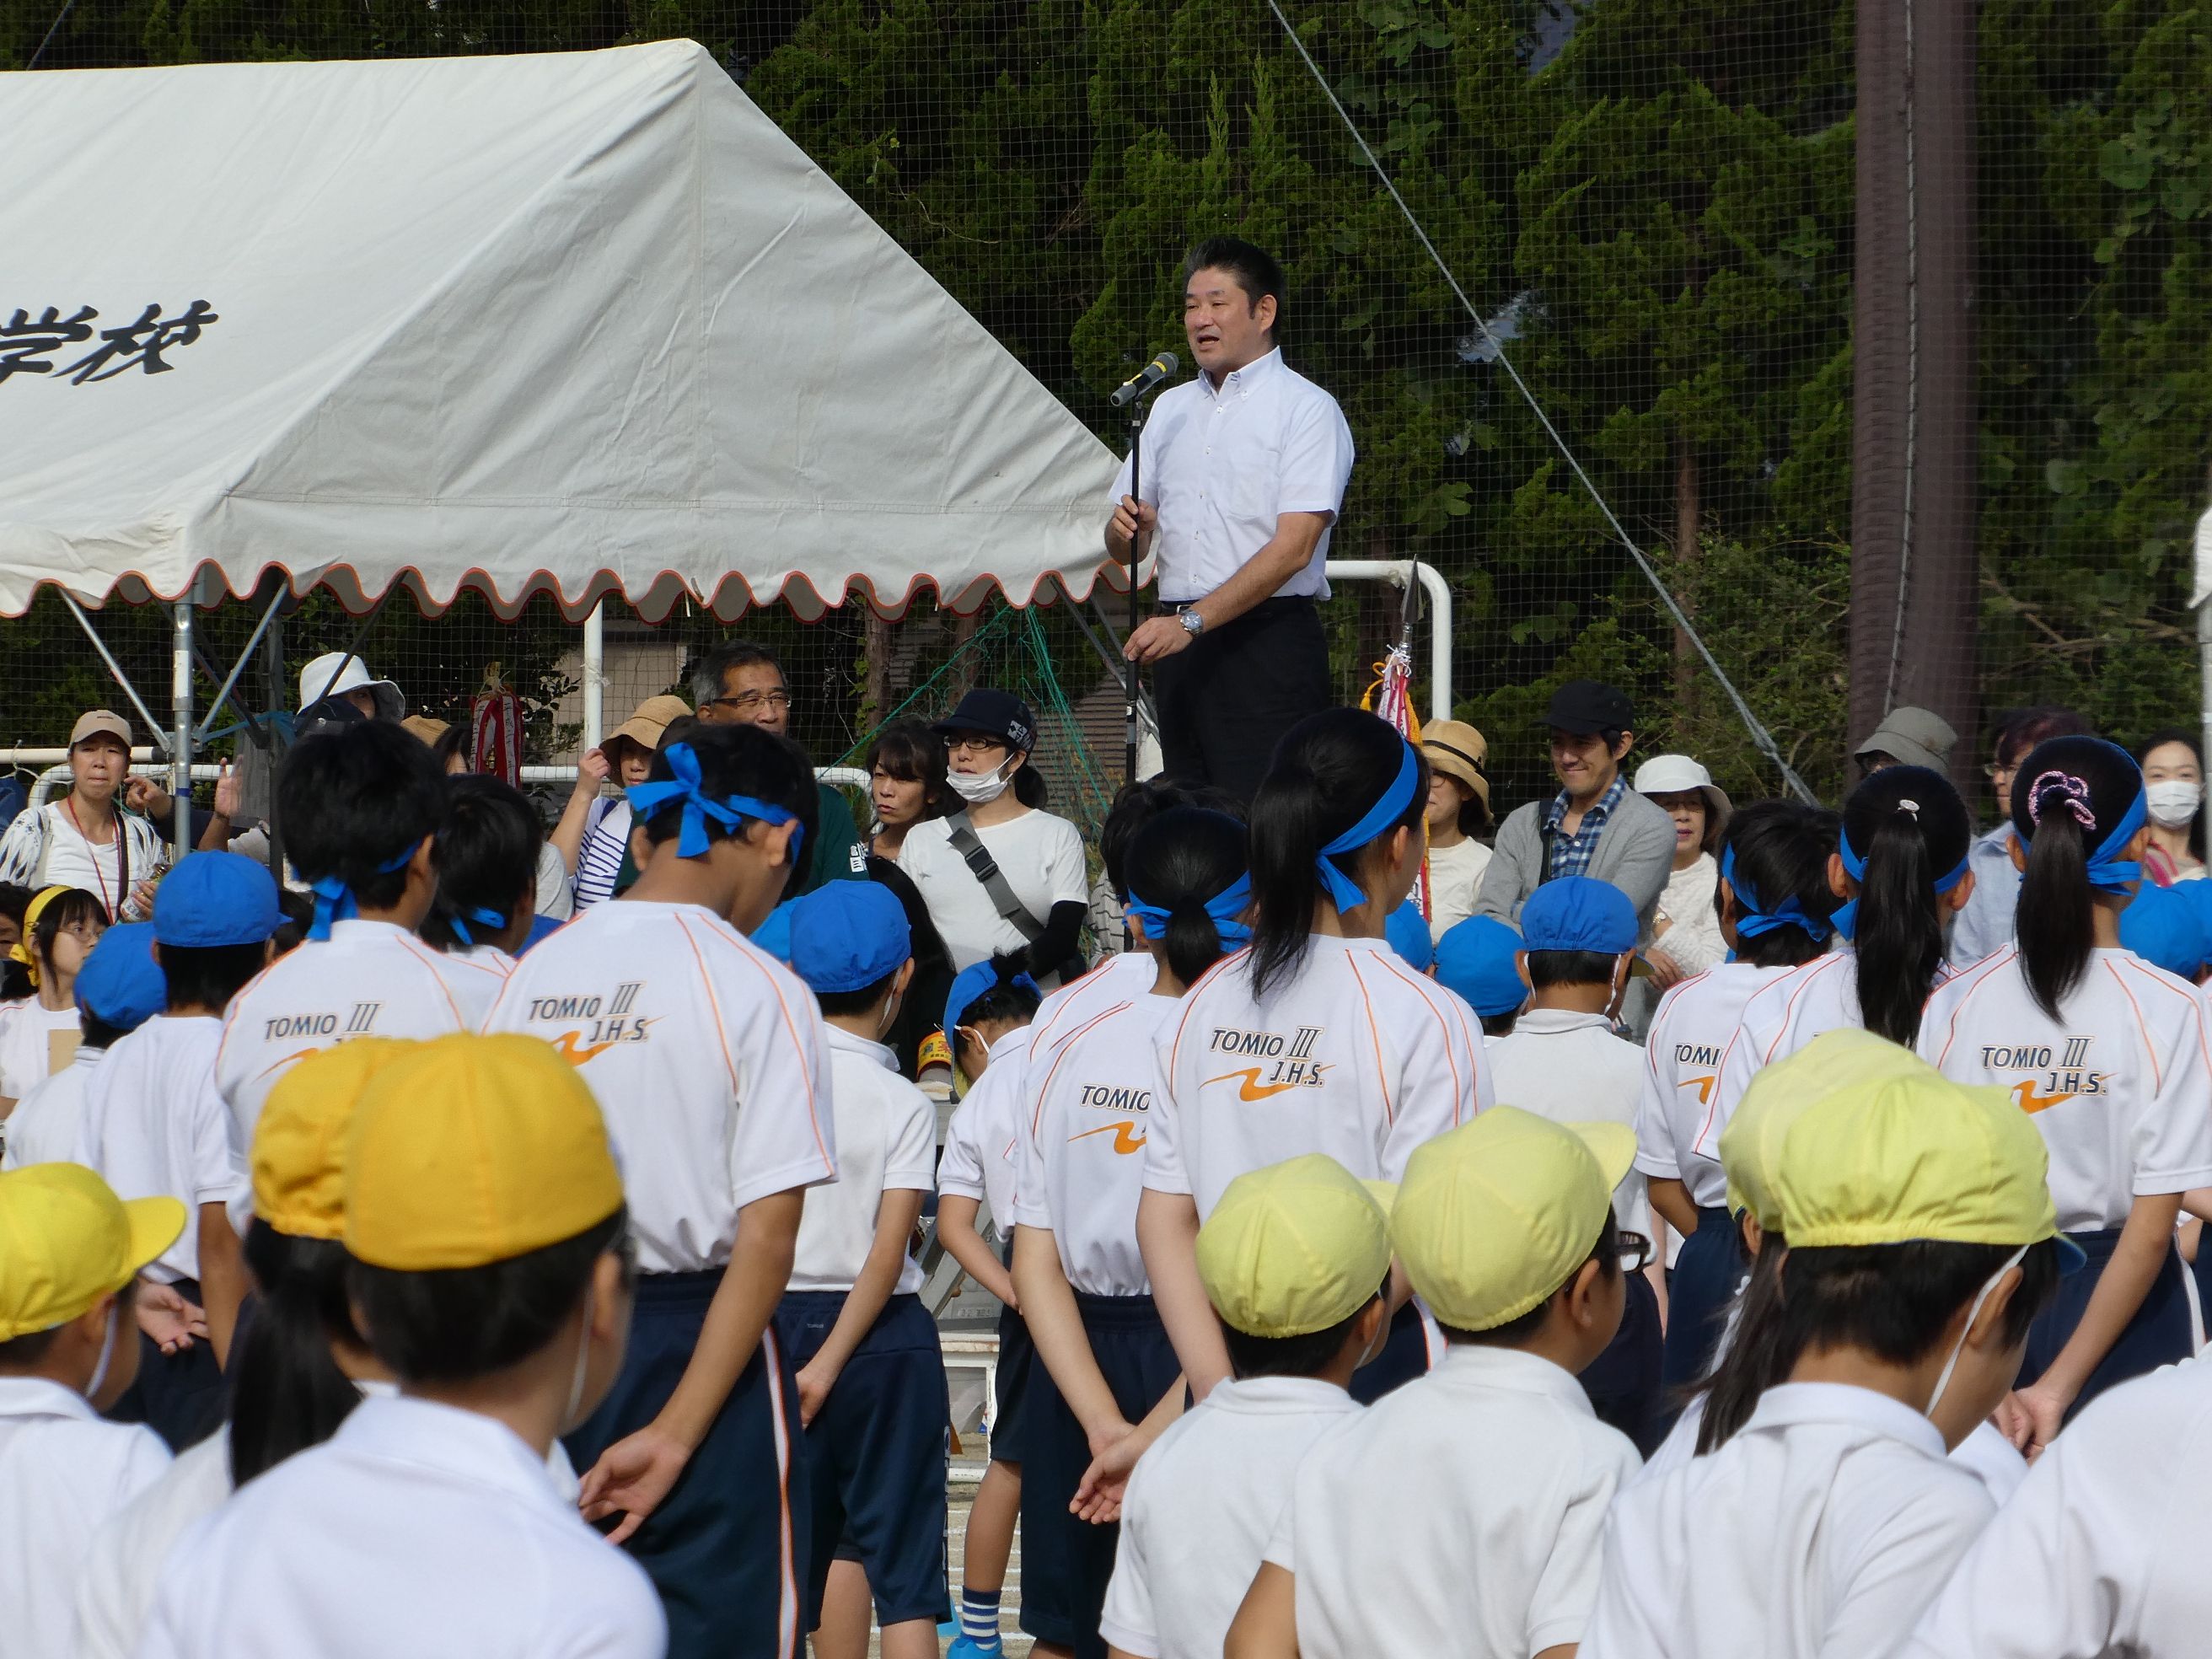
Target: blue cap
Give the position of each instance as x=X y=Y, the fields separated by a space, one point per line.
x=1476 y=958
x=969 y=983
x=847 y=935
x=2171 y=927
x=774 y=934
x=213 y=899
x=120 y=983
x=1408 y=930
x=1577 y=913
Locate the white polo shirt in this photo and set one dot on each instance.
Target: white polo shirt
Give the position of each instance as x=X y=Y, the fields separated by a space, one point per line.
x=1823 y=1527
x=123 y=1563
x=367 y=978
x=1463 y=1514
x=2120 y=1085
x=1086 y=1109
x=1116 y=978
x=155 y=1125
x=418 y=1529
x=1200 y=1508
x=1570 y=1068
x=1682 y=1051
x=1780 y=1017
x=63 y=1474
x=1041 y=857
x=982 y=1137
x=27 y=1030
x=886 y=1137
x=44 y=1126
x=1222 y=464
x=707 y=1056
x=1357 y=1056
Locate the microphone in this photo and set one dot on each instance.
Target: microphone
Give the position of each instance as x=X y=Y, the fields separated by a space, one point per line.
x=1146 y=378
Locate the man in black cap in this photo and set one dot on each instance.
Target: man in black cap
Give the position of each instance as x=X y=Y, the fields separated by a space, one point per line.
x=1595 y=826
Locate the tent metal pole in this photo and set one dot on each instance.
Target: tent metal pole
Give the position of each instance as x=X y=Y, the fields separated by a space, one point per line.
x=180 y=750
x=113 y=667
x=595 y=679
x=238 y=667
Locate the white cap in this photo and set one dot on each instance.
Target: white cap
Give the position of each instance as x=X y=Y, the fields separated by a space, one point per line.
x=324 y=677
x=1677 y=775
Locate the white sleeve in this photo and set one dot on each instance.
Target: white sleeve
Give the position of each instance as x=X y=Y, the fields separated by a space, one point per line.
x=1282 y=1549
x=783 y=1138
x=960 y=1171
x=1442 y=1080
x=1316 y=459
x=911 y=1164
x=1127 y=1621
x=1032 y=1204
x=1620 y=1625
x=1121 y=484
x=1566 y=1588
x=2172 y=1139
x=1164 y=1165
x=1656 y=1153
x=1912 y=1554
x=614 y=1621
x=213 y=1171
x=1064 y=877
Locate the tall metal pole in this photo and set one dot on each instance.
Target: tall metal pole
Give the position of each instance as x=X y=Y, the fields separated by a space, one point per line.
x=595 y=678
x=180 y=745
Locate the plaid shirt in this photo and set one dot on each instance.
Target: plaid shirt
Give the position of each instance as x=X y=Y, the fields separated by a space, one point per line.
x=1570 y=855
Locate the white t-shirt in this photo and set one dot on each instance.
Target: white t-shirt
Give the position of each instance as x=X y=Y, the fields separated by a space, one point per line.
x=63 y=1474
x=982 y=1137
x=886 y=1141
x=1086 y=1107
x=1455 y=877
x=1571 y=1069
x=367 y=978
x=709 y=1057
x=1116 y=979
x=44 y=1126
x=154 y=1125
x=27 y=1030
x=1200 y=1508
x=447 y=1506
x=1463 y=1514
x=1678 y=1101
x=2121 y=1086
x=1041 y=857
x=1356 y=1055
x=1822 y=1528
x=1780 y=1019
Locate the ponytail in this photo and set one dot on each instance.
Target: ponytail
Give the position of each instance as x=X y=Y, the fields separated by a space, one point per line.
x=2077 y=804
x=287 y=1391
x=1186 y=877
x=1905 y=840
x=1761 y=1354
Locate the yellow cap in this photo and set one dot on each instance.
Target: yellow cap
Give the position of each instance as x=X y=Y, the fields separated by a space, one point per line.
x=299 y=1142
x=1896 y=1159
x=1494 y=1216
x=66 y=1241
x=470 y=1149
x=1293 y=1248
x=1751 y=1145
x=21 y=950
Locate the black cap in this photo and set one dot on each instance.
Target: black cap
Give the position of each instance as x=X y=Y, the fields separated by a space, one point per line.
x=999 y=714
x=1583 y=706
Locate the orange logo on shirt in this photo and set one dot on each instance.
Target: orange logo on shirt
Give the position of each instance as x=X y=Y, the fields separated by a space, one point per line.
x=565 y=1045
x=1126 y=1138
x=1307 y=1075
x=1705 y=1088
x=2025 y=1097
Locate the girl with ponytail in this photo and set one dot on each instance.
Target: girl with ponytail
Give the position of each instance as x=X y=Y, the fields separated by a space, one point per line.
x=2109 y=1056
x=1318 y=1039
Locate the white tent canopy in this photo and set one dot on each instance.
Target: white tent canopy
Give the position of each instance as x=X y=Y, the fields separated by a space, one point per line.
x=580 y=323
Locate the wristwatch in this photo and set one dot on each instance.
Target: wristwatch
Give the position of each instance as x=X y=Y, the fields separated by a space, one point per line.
x=1193 y=623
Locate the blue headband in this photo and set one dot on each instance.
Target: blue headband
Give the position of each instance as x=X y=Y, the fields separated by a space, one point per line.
x=1224 y=907
x=645 y=798
x=483 y=915
x=1847 y=915
x=1753 y=917
x=334 y=899
x=2107 y=871
x=1344 y=892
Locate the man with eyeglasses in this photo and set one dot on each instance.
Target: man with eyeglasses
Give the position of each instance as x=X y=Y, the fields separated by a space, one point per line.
x=1986 y=925
x=738 y=683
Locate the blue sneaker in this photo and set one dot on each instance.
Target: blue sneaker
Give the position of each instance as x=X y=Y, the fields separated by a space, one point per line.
x=967 y=1647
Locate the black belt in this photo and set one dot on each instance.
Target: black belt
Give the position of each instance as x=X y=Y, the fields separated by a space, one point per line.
x=1281 y=605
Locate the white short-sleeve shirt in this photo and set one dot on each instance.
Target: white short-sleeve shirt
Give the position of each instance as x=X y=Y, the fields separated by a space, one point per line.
x=1355 y=1055
x=1679 y=1096
x=1463 y=1514
x=124 y=1561
x=2120 y=1085
x=43 y=1128
x=1571 y=1069
x=1200 y=1508
x=982 y=1137
x=886 y=1136
x=27 y=1030
x=418 y=1529
x=1222 y=463
x=1116 y=978
x=1041 y=857
x=154 y=1125
x=707 y=1056
x=1779 y=1018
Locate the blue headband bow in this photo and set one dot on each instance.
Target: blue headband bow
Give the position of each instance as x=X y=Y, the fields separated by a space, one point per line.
x=334 y=899
x=1224 y=907
x=1344 y=892
x=1754 y=918
x=1847 y=915
x=483 y=915
x=646 y=799
x=2108 y=872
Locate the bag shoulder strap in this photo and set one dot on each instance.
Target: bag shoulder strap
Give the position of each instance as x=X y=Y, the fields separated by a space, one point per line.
x=985 y=868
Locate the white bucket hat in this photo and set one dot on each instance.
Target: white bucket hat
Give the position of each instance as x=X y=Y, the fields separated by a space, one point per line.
x=1677 y=775
x=324 y=678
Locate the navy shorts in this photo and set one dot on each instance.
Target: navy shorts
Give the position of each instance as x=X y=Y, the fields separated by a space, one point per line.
x=1622 y=1382
x=1405 y=1356
x=1699 y=1292
x=875 y=1453
x=1018 y=1364
x=728 y=1549
x=182 y=1397
x=2160 y=1334
x=1066 y=1562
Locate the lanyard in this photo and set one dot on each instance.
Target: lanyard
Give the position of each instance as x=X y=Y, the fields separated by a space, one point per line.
x=113 y=907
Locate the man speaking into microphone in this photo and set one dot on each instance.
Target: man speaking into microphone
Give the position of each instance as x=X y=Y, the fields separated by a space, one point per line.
x=1244 y=470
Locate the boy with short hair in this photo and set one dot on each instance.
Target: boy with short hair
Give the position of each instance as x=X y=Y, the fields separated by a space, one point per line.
x=70 y=1256
x=485 y=1216
x=1480 y=959
x=872 y=1389
x=118 y=989
x=485 y=853
x=1295 y=1260
x=1464 y=1512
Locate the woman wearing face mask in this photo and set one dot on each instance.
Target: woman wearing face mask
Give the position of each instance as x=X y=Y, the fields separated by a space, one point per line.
x=1024 y=895
x=2173 y=779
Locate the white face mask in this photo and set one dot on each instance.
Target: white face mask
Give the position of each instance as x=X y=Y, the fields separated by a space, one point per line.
x=583 y=1359
x=106 y=1354
x=976 y=788
x=1974 y=1313
x=2172 y=804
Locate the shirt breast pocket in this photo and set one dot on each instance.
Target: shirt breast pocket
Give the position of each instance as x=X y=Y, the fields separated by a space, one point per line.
x=1256 y=481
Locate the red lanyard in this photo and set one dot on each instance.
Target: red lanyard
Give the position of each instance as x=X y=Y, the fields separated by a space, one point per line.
x=114 y=908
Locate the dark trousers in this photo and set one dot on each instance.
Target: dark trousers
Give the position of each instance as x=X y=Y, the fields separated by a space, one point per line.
x=182 y=1397
x=1227 y=698
x=2158 y=1334
x=1622 y=1382
x=1698 y=1293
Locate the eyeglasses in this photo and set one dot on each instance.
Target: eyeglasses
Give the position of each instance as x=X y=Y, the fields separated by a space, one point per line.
x=1632 y=1244
x=1998 y=771
x=975 y=743
x=752 y=703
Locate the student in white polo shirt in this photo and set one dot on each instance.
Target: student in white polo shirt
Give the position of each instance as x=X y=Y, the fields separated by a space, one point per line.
x=70 y=1252
x=360 y=804
x=1318 y=1039
x=710 y=1060
x=1922 y=1243
x=119 y=990
x=2110 y=1057
x=872 y=1388
x=485 y=853
x=483 y=1213
x=1775 y=909
x=1464 y=1513
x=1296 y=1260
x=1108 y=1366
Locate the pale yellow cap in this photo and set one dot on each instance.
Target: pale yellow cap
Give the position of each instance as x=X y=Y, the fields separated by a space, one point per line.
x=1751 y=1145
x=299 y=1140
x=1293 y=1248
x=1494 y=1216
x=470 y=1149
x=66 y=1240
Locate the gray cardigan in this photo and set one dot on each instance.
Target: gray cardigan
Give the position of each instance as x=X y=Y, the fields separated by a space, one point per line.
x=1634 y=853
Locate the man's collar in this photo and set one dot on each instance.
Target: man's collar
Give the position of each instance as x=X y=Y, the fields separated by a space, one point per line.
x=1242 y=382
x=1600 y=809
